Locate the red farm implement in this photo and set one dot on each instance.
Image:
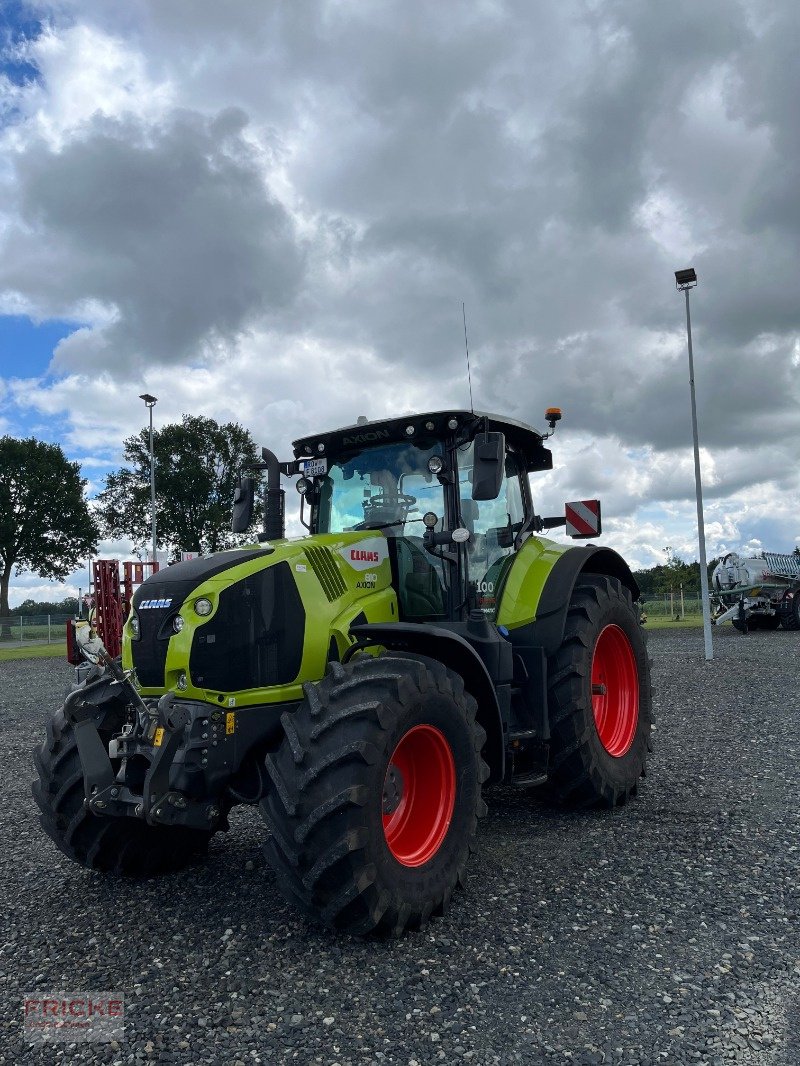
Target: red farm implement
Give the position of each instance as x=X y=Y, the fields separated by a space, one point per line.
x=112 y=598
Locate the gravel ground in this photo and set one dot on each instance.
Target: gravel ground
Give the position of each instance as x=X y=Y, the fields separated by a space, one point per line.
x=664 y=932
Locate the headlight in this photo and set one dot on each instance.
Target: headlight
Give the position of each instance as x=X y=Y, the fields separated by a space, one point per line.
x=302 y=485
x=203 y=606
x=182 y=683
x=177 y=624
x=436 y=464
x=133 y=625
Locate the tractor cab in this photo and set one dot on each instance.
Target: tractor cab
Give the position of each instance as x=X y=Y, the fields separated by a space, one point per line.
x=448 y=490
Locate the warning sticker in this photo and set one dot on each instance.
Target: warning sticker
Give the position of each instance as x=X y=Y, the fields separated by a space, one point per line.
x=365 y=554
x=158 y=737
x=230 y=722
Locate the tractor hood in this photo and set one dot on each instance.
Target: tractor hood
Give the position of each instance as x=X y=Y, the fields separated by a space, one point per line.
x=239 y=620
x=175 y=582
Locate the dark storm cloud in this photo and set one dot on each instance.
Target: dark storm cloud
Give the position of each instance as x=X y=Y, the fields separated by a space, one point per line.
x=508 y=154
x=170 y=228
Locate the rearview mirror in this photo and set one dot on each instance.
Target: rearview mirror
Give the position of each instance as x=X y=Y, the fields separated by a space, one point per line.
x=243 y=499
x=489 y=466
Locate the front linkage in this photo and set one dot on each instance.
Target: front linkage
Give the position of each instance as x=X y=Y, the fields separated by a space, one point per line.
x=173 y=762
x=155 y=733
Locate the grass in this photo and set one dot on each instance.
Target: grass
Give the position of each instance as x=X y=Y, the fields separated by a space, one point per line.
x=670 y=623
x=34 y=651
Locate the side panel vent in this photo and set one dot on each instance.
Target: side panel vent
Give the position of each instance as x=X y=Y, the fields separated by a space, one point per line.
x=324 y=566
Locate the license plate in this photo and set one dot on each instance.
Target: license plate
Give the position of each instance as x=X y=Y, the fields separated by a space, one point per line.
x=315 y=467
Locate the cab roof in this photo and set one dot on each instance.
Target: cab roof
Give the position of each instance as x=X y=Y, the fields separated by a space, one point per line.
x=427 y=423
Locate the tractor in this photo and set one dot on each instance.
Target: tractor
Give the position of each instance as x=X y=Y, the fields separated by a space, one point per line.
x=361 y=684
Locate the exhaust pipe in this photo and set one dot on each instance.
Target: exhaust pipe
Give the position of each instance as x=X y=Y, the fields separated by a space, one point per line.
x=274 y=521
x=274 y=505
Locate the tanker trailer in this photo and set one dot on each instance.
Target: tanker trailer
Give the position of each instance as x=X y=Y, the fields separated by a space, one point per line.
x=758 y=593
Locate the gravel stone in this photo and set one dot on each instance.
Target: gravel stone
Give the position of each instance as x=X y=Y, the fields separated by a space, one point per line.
x=663 y=932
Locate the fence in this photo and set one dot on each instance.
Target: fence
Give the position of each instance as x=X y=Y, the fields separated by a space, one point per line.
x=665 y=606
x=33 y=629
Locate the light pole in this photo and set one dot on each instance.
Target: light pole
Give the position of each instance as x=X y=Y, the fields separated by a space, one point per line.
x=685 y=280
x=150 y=402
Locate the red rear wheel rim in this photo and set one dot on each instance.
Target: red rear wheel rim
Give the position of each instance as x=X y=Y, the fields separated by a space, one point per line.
x=615 y=690
x=419 y=795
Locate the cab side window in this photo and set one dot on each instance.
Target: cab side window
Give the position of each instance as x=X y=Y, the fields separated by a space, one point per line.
x=493 y=525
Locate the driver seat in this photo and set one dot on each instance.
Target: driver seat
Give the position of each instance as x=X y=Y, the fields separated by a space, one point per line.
x=419 y=587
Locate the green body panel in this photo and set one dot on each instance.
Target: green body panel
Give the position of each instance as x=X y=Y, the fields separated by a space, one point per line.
x=367 y=589
x=526 y=578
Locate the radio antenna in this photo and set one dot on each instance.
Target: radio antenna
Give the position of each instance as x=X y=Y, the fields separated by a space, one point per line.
x=466 y=345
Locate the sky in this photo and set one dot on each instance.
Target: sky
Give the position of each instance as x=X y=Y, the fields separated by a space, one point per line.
x=272 y=213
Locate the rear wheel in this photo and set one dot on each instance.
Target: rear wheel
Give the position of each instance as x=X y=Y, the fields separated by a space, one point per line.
x=119 y=845
x=599 y=698
x=376 y=794
x=792 y=619
x=764 y=621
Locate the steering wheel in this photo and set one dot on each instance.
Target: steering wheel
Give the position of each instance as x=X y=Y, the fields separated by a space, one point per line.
x=382 y=511
x=382 y=500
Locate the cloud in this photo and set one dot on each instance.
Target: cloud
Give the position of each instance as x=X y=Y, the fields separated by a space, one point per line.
x=170 y=228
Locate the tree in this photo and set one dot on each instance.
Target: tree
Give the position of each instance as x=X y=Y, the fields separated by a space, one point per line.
x=45 y=522
x=198 y=463
x=69 y=605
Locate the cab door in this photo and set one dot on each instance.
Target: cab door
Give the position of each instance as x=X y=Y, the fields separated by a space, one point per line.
x=493 y=526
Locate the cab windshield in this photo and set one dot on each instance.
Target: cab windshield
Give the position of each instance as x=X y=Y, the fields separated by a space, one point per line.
x=388 y=488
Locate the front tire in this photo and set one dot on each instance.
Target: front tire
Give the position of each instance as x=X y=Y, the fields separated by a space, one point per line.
x=112 y=845
x=376 y=794
x=599 y=699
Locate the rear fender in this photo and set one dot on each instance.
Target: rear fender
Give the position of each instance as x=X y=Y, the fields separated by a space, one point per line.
x=546 y=629
x=458 y=655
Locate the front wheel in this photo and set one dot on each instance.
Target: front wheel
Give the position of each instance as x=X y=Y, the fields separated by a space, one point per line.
x=376 y=794
x=599 y=700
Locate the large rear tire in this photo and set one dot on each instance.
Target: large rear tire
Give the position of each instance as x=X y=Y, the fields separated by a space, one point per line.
x=599 y=698
x=111 y=845
x=792 y=619
x=376 y=794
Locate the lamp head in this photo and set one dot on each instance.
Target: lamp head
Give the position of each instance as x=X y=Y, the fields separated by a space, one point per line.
x=150 y=401
x=685 y=279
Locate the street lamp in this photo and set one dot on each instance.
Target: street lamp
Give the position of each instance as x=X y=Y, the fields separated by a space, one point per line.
x=150 y=402
x=685 y=280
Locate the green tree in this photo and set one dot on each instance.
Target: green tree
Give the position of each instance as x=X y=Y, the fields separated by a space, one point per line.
x=45 y=522
x=198 y=463
x=69 y=605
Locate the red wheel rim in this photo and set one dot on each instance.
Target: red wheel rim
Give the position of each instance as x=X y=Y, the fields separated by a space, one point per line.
x=615 y=690
x=419 y=794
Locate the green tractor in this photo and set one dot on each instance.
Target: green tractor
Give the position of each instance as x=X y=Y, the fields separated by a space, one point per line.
x=363 y=683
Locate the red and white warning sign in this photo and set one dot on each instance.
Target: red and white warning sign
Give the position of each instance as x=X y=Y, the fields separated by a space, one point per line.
x=583 y=518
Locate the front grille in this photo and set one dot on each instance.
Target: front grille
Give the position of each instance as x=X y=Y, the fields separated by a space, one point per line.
x=324 y=566
x=255 y=639
x=171 y=586
x=149 y=652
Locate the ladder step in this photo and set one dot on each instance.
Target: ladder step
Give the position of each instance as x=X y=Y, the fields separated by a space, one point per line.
x=538 y=777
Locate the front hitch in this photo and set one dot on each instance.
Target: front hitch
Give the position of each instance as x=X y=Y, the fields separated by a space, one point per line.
x=156 y=737
x=85 y=708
